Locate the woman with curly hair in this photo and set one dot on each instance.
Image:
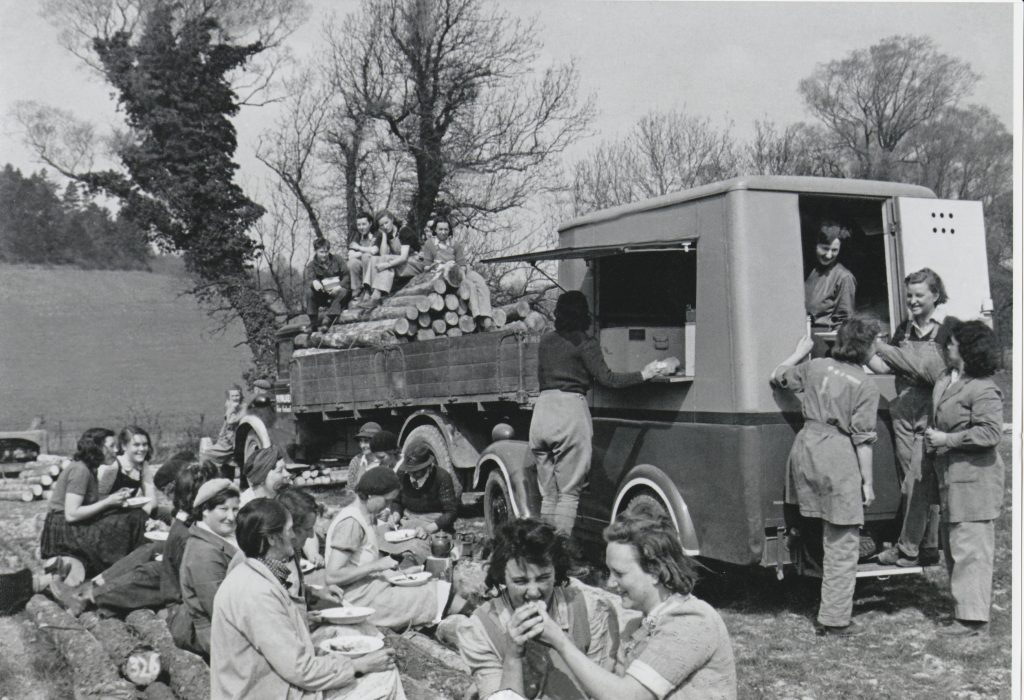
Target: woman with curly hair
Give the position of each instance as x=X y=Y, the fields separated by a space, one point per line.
x=528 y=572
x=680 y=648
x=98 y=531
x=966 y=427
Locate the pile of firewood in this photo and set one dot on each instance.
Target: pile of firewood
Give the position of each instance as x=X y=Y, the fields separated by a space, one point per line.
x=433 y=305
x=32 y=480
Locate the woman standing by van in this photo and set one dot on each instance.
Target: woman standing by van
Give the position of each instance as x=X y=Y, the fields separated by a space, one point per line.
x=569 y=361
x=829 y=469
x=914 y=355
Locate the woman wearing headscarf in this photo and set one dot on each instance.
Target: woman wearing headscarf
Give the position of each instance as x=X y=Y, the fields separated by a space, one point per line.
x=569 y=362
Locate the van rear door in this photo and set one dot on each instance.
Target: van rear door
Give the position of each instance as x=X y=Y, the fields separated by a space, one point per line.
x=948 y=236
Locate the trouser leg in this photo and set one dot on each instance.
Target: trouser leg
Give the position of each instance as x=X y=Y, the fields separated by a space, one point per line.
x=561 y=437
x=139 y=588
x=970 y=553
x=921 y=489
x=839 y=573
x=573 y=465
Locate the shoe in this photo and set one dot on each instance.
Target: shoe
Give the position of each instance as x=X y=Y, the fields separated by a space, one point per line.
x=67 y=598
x=867 y=547
x=850 y=630
x=928 y=556
x=893 y=556
x=965 y=628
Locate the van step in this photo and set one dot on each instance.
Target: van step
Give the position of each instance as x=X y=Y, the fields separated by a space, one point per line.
x=876 y=570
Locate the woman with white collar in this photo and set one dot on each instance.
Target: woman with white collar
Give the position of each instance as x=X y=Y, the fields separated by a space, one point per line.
x=211 y=546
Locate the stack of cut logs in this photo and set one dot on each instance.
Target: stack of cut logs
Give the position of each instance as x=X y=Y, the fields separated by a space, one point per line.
x=432 y=305
x=32 y=481
x=321 y=477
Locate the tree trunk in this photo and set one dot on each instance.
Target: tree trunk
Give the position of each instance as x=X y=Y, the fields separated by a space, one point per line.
x=410 y=313
x=189 y=675
x=423 y=283
x=436 y=302
x=367 y=334
x=158 y=691
x=421 y=302
x=439 y=326
x=451 y=301
x=93 y=676
x=467 y=324
x=516 y=311
x=258 y=321
x=127 y=652
x=425 y=334
x=451 y=318
x=499 y=317
x=455 y=332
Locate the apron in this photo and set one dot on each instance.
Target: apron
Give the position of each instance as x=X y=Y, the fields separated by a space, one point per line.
x=394 y=607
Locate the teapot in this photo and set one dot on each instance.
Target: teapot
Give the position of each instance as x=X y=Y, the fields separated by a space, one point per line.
x=440 y=544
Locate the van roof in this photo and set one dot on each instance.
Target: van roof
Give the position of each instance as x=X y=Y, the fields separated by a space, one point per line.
x=767 y=183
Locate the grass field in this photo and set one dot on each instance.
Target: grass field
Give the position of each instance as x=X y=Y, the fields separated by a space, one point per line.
x=89 y=348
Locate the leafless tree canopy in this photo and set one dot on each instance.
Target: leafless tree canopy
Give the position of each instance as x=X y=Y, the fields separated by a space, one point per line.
x=665 y=152
x=875 y=97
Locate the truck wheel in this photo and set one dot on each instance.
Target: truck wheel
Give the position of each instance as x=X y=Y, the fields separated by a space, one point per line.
x=252 y=446
x=645 y=498
x=436 y=442
x=497 y=503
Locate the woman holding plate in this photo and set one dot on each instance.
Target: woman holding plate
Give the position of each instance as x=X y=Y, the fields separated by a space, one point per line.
x=260 y=644
x=354 y=562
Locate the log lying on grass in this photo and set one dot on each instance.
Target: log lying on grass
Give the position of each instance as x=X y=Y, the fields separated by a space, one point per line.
x=158 y=691
x=93 y=675
x=189 y=675
x=138 y=662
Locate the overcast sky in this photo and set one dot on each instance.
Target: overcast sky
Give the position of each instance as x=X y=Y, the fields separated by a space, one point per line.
x=730 y=61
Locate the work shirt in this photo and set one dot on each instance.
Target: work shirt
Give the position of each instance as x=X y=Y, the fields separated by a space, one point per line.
x=840 y=408
x=332 y=267
x=681 y=651
x=572 y=361
x=77 y=479
x=830 y=296
x=435 y=251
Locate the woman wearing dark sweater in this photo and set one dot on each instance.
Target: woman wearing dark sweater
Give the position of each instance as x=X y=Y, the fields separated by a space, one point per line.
x=426 y=499
x=561 y=433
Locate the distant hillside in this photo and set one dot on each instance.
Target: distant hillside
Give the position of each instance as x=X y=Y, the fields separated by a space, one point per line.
x=89 y=348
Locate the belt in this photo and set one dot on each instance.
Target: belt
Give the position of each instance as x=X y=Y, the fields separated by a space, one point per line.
x=820 y=427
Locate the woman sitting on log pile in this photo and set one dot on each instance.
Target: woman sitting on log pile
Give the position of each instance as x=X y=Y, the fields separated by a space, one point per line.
x=443 y=251
x=397 y=243
x=82 y=525
x=130 y=468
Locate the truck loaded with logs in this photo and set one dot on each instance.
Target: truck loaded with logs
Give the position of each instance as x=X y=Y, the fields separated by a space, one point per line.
x=714 y=276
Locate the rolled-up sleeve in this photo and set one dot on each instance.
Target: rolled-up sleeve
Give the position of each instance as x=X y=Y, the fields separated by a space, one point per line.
x=673 y=654
x=792 y=378
x=986 y=422
x=865 y=415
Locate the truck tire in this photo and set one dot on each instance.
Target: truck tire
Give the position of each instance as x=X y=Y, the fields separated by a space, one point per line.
x=497 y=503
x=644 y=497
x=252 y=446
x=437 y=444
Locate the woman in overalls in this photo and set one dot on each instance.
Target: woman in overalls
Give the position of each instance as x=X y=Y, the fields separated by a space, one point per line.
x=829 y=469
x=130 y=467
x=914 y=355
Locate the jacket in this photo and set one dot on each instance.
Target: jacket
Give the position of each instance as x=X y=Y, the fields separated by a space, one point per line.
x=203 y=568
x=970 y=470
x=261 y=646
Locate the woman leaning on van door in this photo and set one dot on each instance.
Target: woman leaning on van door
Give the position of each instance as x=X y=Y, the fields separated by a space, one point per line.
x=561 y=433
x=830 y=289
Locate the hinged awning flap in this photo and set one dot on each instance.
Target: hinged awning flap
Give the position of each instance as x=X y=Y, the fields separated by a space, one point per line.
x=600 y=251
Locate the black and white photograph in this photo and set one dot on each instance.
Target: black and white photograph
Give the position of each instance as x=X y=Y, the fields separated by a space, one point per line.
x=510 y=349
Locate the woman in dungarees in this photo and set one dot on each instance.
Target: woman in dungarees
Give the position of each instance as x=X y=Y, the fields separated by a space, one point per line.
x=829 y=469
x=914 y=355
x=130 y=468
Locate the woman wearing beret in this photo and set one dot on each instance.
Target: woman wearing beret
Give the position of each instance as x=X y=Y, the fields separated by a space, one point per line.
x=569 y=362
x=261 y=646
x=354 y=562
x=966 y=427
x=210 y=548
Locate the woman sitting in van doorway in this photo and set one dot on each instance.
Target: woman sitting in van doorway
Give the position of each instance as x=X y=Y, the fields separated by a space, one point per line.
x=830 y=289
x=679 y=649
x=965 y=431
x=569 y=361
x=915 y=356
x=828 y=474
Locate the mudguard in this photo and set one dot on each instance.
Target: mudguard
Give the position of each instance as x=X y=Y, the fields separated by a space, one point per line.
x=250 y=424
x=516 y=463
x=461 y=451
x=648 y=478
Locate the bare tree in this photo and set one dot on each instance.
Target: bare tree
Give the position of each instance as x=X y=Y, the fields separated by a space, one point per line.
x=875 y=97
x=665 y=152
x=798 y=149
x=66 y=143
